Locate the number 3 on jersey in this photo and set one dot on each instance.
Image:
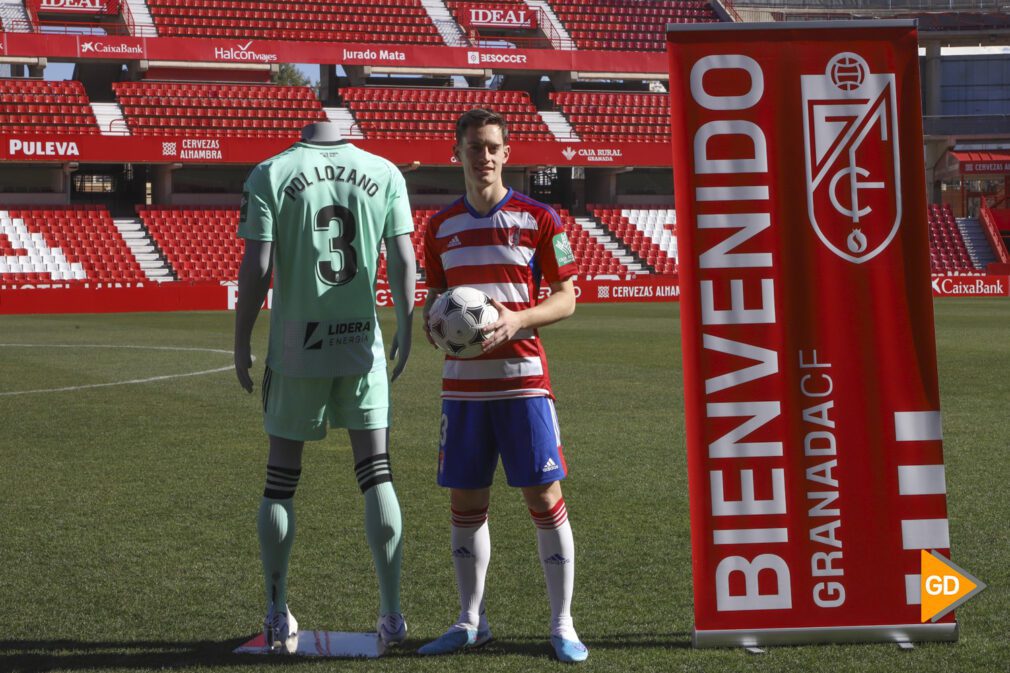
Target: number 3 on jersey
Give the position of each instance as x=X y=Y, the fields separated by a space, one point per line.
x=340 y=246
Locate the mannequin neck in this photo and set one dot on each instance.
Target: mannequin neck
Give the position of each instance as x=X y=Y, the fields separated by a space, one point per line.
x=322 y=132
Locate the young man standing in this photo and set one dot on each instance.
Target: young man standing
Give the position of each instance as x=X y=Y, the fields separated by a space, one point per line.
x=313 y=218
x=500 y=403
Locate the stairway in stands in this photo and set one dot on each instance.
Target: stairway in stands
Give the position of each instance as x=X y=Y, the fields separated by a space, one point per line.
x=975 y=241
x=13 y=16
x=559 y=126
x=344 y=120
x=560 y=39
x=143 y=22
x=440 y=15
x=631 y=263
x=151 y=261
x=110 y=119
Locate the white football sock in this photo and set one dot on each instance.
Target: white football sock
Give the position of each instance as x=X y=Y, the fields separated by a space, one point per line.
x=557 y=556
x=471 y=553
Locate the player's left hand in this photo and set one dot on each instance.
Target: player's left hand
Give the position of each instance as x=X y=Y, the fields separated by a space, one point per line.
x=509 y=322
x=401 y=346
x=243 y=363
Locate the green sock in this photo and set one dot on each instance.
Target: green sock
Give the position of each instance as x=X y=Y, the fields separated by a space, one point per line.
x=383 y=528
x=276 y=526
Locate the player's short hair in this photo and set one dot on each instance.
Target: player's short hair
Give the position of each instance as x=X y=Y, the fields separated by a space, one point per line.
x=480 y=117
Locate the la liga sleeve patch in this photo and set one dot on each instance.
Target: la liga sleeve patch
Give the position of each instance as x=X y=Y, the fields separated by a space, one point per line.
x=563 y=250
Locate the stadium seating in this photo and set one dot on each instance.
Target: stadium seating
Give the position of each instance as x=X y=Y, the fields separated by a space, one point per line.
x=217 y=110
x=421 y=217
x=46 y=108
x=382 y=21
x=647 y=232
x=199 y=243
x=627 y=25
x=430 y=114
x=63 y=245
x=624 y=117
x=947 y=252
x=590 y=255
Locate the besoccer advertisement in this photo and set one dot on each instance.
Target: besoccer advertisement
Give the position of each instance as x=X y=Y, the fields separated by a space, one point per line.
x=813 y=412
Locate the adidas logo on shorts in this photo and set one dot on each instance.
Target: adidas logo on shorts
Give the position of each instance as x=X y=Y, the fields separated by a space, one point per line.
x=549 y=466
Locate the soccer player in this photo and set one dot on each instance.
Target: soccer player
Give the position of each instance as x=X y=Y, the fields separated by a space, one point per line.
x=313 y=218
x=500 y=403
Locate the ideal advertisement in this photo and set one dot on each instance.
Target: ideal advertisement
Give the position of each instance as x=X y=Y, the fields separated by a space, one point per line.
x=76 y=6
x=499 y=16
x=812 y=406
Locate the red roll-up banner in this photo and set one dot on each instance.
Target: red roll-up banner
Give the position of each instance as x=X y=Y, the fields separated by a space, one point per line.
x=812 y=406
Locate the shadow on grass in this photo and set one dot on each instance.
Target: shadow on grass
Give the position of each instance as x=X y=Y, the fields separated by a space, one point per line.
x=540 y=647
x=42 y=656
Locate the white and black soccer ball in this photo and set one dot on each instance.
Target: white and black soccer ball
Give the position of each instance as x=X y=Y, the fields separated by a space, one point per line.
x=457 y=320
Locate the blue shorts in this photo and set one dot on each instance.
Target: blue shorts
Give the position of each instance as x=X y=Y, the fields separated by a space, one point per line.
x=523 y=431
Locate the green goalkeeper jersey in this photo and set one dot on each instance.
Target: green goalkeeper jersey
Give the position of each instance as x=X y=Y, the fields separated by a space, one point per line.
x=325 y=208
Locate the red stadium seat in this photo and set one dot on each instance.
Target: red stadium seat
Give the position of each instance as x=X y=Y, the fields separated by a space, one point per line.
x=80 y=243
x=381 y=112
x=255 y=110
x=193 y=240
x=392 y=21
x=42 y=107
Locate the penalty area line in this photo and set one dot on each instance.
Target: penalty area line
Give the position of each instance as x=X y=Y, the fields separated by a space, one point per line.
x=150 y=379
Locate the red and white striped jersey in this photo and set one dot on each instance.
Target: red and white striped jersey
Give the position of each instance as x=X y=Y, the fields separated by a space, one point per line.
x=506 y=254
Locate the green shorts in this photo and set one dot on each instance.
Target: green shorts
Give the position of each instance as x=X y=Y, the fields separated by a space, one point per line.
x=299 y=408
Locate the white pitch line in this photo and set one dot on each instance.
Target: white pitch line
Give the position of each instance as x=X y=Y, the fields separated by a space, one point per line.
x=119 y=383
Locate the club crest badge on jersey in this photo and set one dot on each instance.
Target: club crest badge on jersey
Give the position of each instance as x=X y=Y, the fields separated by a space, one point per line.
x=514 y=235
x=853 y=178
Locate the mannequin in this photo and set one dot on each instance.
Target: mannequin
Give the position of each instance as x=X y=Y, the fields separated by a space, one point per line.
x=322 y=132
x=369 y=441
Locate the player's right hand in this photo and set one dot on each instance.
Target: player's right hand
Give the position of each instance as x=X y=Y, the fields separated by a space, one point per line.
x=424 y=321
x=243 y=363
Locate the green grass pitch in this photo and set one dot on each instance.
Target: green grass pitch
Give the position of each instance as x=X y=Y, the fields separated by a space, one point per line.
x=127 y=513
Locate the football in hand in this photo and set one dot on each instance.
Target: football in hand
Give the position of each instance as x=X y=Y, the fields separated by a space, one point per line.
x=457 y=321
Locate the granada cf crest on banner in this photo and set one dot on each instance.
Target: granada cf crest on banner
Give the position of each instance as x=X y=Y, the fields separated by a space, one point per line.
x=812 y=408
x=850 y=134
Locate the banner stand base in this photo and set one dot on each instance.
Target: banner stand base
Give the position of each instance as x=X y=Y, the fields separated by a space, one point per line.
x=755 y=638
x=338 y=644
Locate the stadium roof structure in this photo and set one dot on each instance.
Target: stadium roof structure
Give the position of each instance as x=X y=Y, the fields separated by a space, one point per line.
x=958 y=163
x=951 y=23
